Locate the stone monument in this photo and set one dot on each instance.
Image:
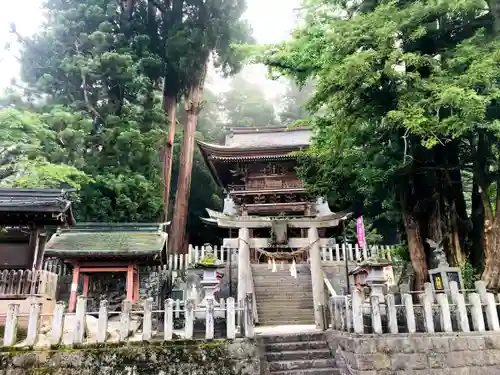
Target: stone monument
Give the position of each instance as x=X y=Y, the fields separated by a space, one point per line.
x=442 y=274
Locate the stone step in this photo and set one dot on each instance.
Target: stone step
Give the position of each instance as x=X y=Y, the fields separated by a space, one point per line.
x=285 y=311
x=300 y=345
x=281 y=277
x=283 y=297
x=287 y=321
x=294 y=338
x=283 y=288
x=310 y=371
x=298 y=355
x=298 y=365
x=288 y=309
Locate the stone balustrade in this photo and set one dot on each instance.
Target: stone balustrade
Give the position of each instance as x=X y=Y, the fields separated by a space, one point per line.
x=83 y=327
x=424 y=312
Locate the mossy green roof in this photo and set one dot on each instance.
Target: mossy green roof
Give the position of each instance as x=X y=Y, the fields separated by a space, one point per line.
x=122 y=240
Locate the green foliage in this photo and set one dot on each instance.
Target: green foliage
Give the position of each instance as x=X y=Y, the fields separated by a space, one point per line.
x=97 y=74
x=469 y=275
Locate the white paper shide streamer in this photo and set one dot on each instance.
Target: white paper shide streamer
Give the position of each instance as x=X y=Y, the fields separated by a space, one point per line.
x=293 y=269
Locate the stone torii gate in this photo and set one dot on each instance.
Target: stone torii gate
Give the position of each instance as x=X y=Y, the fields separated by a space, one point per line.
x=312 y=224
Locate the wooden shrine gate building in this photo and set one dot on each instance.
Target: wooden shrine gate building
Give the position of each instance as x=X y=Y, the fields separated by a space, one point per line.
x=267 y=212
x=108 y=248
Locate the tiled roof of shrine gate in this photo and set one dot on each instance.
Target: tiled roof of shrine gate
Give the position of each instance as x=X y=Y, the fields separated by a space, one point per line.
x=248 y=143
x=108 y=240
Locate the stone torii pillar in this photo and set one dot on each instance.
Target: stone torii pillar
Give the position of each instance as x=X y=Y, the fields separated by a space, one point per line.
x=318 y=288
x=243 y=263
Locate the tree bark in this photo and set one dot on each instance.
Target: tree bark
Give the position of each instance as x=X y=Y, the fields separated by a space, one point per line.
x=415 y=245
x=476 y=256
x=179 y=222
x=169 y=105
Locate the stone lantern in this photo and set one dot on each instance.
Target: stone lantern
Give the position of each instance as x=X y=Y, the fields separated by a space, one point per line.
x=371 y=273
x=210 y=282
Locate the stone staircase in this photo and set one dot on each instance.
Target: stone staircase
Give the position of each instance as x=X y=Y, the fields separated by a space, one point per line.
x=299 y=354
x=281 y=298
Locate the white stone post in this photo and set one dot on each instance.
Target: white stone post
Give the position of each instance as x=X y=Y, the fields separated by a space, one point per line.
x=81 y=308
x=488 y=300
x=33 y=324
x=460 y=311
x=177 y=308
x=376 y=317
x=491 y=313
x=231 y=318
x=392 y=314
x=10 y=332
x=57 y=324
x=248 y=317
x=147 y=322
x=445 y=316
x=357 y=311
x=243 y=263
x=348 y=314
x=209 y=320
x=125 y=319
x=189 y=319
x=409 y=313
x=316 y=274
x=476 y=312
x=168 y=328
x=102 y=322
x=429 y=291
x=427 y=300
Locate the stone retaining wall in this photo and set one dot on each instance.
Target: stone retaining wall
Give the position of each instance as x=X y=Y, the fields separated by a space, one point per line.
x=220 y=357
x=424 y=354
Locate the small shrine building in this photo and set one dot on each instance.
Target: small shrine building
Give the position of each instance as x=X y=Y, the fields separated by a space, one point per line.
x=92 y=248
x=25 y=217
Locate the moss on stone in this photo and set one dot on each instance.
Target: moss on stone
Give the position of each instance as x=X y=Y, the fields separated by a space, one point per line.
x=171 y=357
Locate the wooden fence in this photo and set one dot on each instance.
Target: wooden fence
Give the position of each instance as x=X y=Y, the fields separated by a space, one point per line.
x=23 y=283
x=338 y=252
x=80 y=333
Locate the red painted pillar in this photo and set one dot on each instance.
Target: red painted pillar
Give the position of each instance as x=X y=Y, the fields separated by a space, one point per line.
x=130 y=282
x=86 y=280
x=74 y=288
x=136 y=285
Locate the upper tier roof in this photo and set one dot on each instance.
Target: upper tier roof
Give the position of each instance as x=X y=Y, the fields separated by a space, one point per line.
x=257 y=144
x=268 y=137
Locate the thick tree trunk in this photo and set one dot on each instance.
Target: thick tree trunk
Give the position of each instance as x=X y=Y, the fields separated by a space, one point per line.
x=415 y=244
x=476 y=256
x=169 y=105
x=179 y=222
x=491 y=273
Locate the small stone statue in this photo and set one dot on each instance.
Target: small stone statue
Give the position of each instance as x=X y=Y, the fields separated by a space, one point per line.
x=439 y=256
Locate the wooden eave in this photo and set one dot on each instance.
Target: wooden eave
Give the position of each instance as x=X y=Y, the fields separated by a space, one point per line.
x=268 y=191
x=213 y=154
x=231 y=153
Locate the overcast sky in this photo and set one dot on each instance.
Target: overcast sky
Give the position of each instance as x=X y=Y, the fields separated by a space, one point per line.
x=272 y=21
